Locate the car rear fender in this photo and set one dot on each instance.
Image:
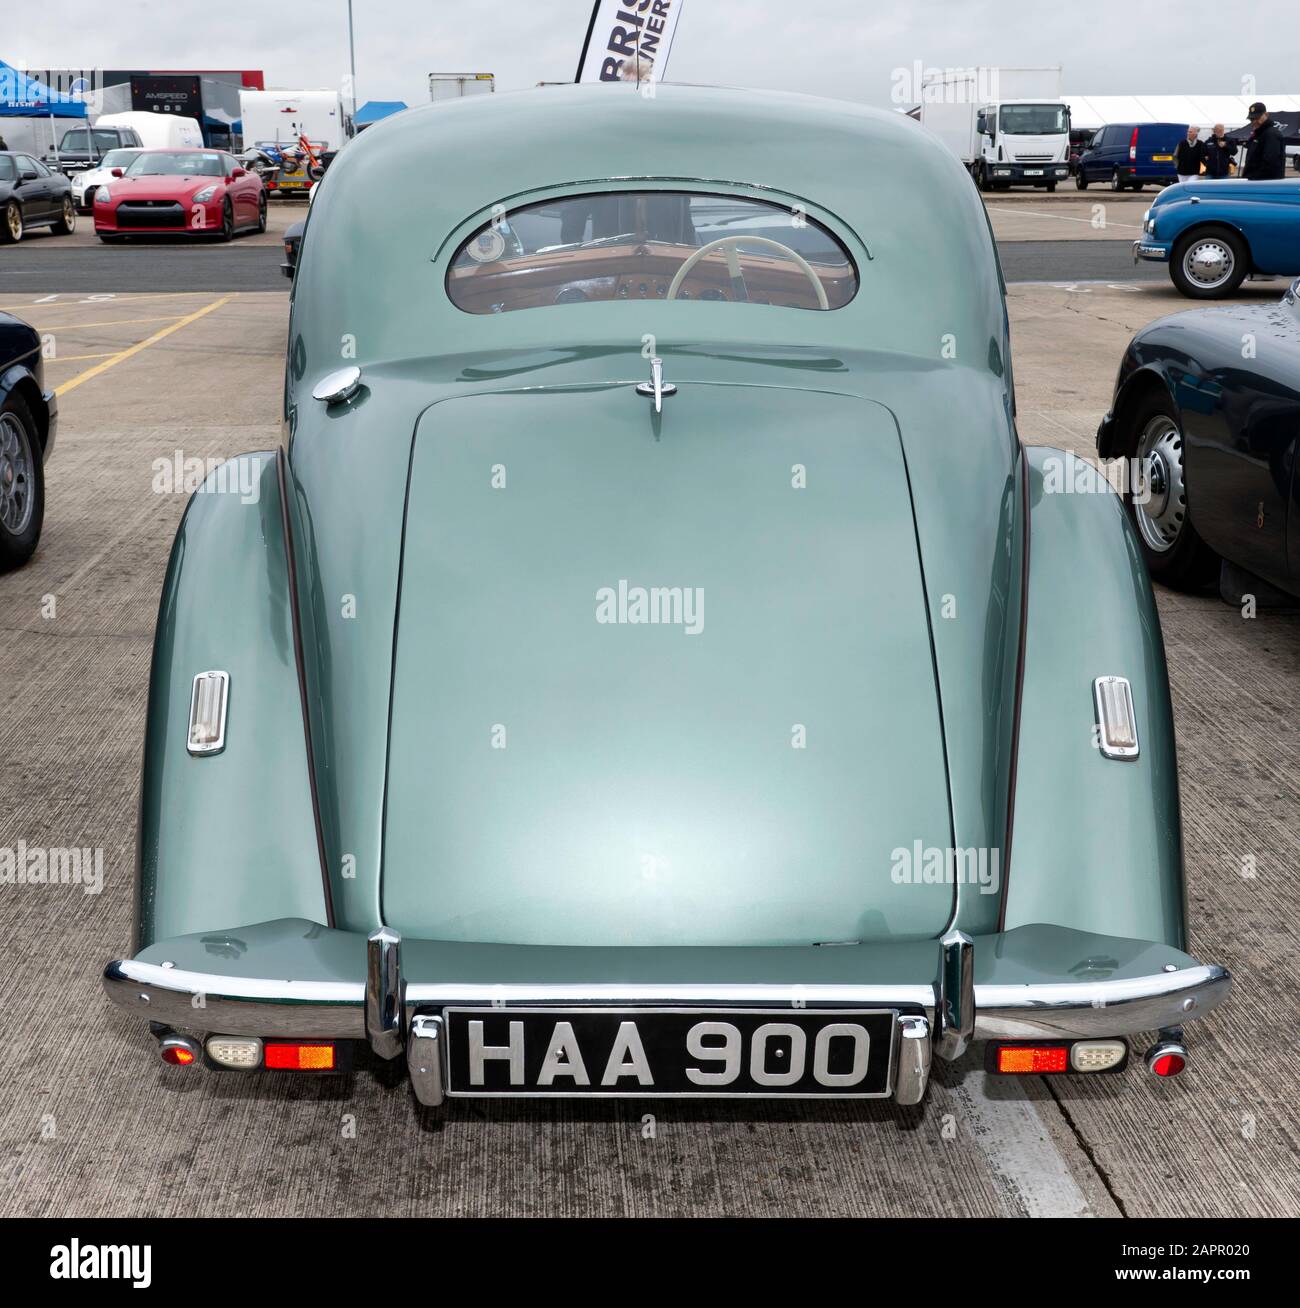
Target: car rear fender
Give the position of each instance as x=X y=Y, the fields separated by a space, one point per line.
x=228 y=837
x=1097 y=842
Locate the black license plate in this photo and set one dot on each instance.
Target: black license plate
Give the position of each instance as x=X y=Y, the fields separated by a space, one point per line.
x=650 y=1052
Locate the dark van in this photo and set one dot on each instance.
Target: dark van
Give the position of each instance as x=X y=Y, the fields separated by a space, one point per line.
x=1125 y=155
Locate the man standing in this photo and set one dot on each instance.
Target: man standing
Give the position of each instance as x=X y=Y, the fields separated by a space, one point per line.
x=1219 y=153
x=1266 y=149
x=1189 y=156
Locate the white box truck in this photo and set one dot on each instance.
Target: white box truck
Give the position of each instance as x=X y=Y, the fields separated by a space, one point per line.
x=451 y=86
x=1008 y=126
x=281 y=117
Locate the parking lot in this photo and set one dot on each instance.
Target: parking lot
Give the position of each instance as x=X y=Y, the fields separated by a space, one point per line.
x=94 y=1124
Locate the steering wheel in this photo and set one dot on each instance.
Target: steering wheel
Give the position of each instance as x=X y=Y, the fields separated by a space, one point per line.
x=730 y=244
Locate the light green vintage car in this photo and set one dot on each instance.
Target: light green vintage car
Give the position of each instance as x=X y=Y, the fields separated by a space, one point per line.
x=652 y=665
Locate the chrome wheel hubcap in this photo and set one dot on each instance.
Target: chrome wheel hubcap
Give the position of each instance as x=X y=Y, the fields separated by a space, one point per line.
x=1208 y=264
x=15 y=221
x=1160 y=498
x=15 y=475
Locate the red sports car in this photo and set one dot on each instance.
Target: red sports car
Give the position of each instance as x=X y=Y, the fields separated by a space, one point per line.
x=187 y=192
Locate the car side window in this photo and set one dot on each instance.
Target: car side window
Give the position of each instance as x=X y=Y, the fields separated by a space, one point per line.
x=41 y=168
x=27 y=169
x=6 y=168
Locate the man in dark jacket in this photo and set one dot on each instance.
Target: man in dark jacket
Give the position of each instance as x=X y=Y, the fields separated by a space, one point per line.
x=1189 y=156
x=1266 y=149
x=1219 y=153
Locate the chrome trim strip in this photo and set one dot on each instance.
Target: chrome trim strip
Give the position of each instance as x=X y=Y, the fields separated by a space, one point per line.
x=956 y=1009
x=384 y=1008
x=258 y=1006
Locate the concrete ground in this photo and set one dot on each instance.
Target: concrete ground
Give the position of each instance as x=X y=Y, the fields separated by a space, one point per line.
x=93 y=1123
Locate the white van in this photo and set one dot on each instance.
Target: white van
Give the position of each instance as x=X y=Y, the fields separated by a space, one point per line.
x=158 y=131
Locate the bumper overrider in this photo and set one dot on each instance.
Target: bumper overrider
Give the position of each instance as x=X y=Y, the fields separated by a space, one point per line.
x=297 y=979
x=1150 y=249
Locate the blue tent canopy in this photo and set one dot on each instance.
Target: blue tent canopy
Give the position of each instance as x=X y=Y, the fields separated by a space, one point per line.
x=24 y=97
x=373 y=110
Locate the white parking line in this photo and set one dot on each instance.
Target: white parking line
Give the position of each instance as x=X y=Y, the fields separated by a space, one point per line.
x=1029 y=1170
x=1062 y=217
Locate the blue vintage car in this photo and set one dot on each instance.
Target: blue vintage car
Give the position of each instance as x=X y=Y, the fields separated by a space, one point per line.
x=1213 y=233
x=448 y=755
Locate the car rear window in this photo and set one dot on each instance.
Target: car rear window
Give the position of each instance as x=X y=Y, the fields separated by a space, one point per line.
x=651 y=245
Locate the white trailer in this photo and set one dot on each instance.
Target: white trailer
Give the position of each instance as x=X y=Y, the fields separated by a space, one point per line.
x=451 y=86
x=1007 y=126
x=281 y=117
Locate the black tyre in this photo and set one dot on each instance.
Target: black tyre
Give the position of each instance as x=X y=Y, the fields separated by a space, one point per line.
x=67 y=223
x=1156 y=498
x=261 y=212
x=11 y=228
x=1116 y=181
x=22 y=484
x=1137 y=186
x=227 y=222
x=1080 y=180
x=1209 y=263
x=983 y=180
x=1051 y=186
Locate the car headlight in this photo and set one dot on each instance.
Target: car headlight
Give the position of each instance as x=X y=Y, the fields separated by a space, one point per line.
x=201 y=197
x=103 y=196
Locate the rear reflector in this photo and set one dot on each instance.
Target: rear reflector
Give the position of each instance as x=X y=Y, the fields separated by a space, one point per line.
x=240 y=1052
x=300 y=1056
x=178 y=1050
x=1166 y=1058
x=1032 y=1058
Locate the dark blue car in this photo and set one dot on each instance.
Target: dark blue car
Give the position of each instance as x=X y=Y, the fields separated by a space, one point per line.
x=1130 y=155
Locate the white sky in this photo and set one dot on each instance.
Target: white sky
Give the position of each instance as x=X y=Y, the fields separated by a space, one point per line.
x=845 y=48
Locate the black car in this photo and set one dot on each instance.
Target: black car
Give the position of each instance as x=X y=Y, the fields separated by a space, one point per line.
x=1207 y=408
x=28 y=418
x=292 y=244
x=31 y=195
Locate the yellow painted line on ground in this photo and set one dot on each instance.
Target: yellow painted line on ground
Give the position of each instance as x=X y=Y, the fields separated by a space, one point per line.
x=115 y=359
x=110 y=322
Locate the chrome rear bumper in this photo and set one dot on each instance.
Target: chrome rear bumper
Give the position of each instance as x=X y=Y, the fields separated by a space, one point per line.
x=397 y=1013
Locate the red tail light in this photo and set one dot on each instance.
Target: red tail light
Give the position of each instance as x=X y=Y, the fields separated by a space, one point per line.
x=1032 y=1059
x=300 y=1055
x=1133 y=145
